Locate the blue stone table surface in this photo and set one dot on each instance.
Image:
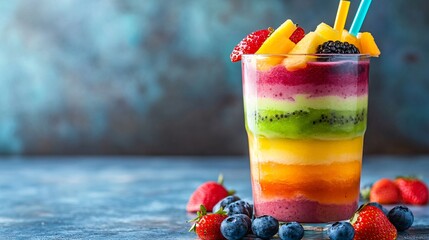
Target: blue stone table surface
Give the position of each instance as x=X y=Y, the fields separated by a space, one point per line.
x=139 y=197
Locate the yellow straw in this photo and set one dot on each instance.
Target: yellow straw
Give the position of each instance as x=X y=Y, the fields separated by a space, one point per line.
x=343 y=10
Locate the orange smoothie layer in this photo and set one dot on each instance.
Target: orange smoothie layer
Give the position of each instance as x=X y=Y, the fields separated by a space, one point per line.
x=328 y=184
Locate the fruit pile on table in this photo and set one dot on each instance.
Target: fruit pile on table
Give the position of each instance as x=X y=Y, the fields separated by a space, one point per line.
x=224 y=216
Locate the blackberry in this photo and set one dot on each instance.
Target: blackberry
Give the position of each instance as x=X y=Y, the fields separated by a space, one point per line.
x=338 y=47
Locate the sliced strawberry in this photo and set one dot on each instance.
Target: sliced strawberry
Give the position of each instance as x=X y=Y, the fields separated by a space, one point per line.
x=250 y=44
x=207 y=194
x=297 y=35
x=413 y=190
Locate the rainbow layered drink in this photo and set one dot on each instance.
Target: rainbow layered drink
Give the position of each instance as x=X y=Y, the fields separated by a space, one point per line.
x=305 y=104
x=305 y=129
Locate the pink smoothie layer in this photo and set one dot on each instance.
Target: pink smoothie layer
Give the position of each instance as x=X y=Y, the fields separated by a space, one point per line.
x=305 y=211
x=318 y=79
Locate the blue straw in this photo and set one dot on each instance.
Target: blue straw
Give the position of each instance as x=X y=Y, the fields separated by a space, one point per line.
x=360 y=16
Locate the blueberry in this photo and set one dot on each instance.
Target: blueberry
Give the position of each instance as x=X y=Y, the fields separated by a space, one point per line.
x=291 y=231
x=234 y=227
x=224 y=202
x=341 y=231
x=379 y=206
x=401 y=217
x=238 y=207
x=248 y=221
x=265 y=226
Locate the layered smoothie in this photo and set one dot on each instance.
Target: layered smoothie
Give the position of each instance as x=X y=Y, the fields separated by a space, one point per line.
x=305 y=130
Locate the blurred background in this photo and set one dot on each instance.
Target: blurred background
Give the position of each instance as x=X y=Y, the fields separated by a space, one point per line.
x=86 y=77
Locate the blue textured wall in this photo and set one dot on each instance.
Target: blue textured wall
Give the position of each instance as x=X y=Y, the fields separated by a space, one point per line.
x=154 y=77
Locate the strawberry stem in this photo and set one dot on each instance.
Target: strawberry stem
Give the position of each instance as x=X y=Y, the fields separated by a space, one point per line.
x=220 y=211
x=220 y=179
x=231 y=192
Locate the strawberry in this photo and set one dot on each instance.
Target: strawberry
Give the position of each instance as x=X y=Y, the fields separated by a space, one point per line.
x=250 y=44
x=207 y=194
x=207 y=226
x=385 y=191
x=370 y=223
x=413 y=191
x=297 y=35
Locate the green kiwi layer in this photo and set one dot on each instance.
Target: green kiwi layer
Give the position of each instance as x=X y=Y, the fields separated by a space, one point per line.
x=311 y=123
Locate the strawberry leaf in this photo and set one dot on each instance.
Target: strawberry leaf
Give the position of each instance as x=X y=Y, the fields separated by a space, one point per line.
x=203 y=210
x=355 y=216
x=221 y=211
x=221 y=181
x=200 y=214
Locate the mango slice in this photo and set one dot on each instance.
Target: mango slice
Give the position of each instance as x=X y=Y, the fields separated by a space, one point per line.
x=307 y=45
x=278 y=42
x=328 y=32
x=347 y=37
x=368 y=45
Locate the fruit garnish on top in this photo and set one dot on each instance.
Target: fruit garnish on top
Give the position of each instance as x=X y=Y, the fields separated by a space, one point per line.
x=297 y=35
x=250 y=44
x=331 y=47
x=291 y=39
x=269 y=41
x=280 y=41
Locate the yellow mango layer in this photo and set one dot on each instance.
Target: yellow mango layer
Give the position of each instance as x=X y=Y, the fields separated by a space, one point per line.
x=304 y=152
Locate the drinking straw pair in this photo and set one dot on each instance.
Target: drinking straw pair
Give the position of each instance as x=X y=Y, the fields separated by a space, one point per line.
x=342 y=12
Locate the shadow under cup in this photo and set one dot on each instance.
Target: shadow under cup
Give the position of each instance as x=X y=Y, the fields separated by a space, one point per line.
x=305 y=117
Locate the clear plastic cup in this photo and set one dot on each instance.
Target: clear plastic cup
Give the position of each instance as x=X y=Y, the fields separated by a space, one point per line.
x=305 y=117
